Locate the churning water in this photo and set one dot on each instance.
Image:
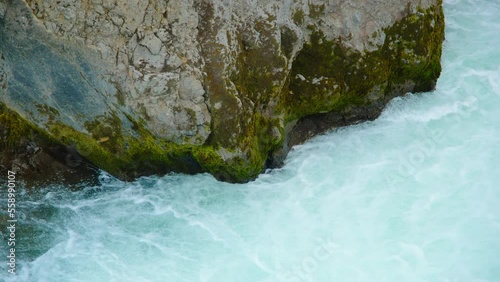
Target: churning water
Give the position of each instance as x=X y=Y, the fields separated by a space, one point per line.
x=412 y=196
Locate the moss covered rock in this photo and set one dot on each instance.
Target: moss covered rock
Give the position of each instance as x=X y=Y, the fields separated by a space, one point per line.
x=200 y=86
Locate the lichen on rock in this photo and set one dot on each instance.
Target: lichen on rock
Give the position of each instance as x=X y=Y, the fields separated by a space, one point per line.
x=148 y=87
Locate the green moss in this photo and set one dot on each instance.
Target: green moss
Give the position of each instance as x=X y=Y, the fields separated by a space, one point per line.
x=298 y=17
x=120 y=97
x=132 y=156
x=237 y=169
x=418 y=51
x=50 y=112
x=128 y=156
x=107 y=130
x=288 y=40
x=259 y=79
x=87 y=147
x=13 y=128
x=326 y=76
x=315 y=11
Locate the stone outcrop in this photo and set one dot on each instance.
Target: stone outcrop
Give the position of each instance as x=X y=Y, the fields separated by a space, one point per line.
x=226 y=87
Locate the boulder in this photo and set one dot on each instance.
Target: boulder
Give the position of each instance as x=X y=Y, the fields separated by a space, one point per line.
x=225 y=87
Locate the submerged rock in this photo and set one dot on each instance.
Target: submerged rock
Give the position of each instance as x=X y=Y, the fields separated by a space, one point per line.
x=148 y=87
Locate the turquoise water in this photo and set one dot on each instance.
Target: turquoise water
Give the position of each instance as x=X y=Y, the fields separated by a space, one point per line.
x=412 y=196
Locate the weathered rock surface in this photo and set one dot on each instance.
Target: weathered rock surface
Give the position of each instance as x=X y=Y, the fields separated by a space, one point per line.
x=227 y=87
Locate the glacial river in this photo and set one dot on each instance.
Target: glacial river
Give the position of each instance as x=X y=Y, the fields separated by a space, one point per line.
x=411 y=196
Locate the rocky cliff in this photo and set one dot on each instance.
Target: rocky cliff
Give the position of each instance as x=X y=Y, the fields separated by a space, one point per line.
x=141 y=87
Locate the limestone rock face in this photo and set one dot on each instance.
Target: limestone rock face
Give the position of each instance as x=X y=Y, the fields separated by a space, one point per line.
x=227 y=87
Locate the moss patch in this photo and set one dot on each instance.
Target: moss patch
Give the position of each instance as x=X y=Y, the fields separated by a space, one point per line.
x=298 y=17
x=259 y=81
x=13 y=128
x=316 y=10
x=125 y=155
x=107 y=130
